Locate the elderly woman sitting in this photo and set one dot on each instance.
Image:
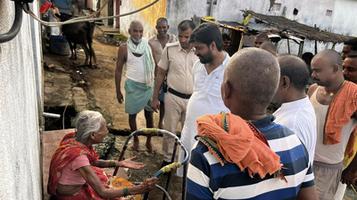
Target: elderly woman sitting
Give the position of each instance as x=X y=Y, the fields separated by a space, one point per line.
x=74 y=170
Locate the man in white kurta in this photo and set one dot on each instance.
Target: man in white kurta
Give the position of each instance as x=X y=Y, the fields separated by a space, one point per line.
x=207 y=76
x=296 y=111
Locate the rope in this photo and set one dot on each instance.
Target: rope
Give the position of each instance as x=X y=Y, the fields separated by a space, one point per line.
x=89 y=18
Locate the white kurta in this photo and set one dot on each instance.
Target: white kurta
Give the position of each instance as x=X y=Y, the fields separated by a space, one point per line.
x=299 y=116
x=206 y=99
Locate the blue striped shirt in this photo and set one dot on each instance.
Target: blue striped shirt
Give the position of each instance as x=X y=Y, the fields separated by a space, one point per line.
x=207 y=179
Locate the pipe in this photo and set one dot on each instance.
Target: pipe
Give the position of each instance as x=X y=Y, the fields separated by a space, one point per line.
x=82 y=19
x=169 y=175
x=51 y=115
x=288 y=41
x=153 y=132
x=15 y=28
x=210 y=8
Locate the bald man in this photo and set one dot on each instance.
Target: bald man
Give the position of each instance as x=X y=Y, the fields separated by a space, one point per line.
x=296 y=111
x=137 y=56
x=270 y=47
x=327 y=72
x=212 y=178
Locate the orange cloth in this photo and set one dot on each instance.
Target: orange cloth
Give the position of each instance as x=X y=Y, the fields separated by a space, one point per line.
x=341 y=109
x=243 y=145
x=351 y=148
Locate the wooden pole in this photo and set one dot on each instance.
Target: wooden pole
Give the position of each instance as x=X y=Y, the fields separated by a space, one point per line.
x=288 y=41
x=315 y=47
x=301 y=48
x=241 y=41
x=117 y=12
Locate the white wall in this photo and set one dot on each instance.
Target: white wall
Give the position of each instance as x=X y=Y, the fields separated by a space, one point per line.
x=20 y=62
x=343 y=19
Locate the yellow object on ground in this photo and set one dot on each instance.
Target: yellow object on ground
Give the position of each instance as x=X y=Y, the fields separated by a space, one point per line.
x=121 y=183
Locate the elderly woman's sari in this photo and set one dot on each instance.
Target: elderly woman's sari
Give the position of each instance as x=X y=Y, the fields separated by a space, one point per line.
x=68 y=150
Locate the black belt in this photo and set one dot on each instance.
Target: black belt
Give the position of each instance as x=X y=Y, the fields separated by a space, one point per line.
x=179 y=94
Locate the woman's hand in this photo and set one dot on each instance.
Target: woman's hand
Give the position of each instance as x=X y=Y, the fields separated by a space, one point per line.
x=129 y=163
x=145 y=186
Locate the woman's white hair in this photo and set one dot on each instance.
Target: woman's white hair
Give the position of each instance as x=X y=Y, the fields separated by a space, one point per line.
x=88 y=122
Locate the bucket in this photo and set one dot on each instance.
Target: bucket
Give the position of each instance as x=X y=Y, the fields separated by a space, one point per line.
x=59 y=45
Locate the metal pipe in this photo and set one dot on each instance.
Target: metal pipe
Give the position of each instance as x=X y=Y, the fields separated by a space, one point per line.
x=210 y=8
x=51 y=115
x=184 y=182
x=152 y=132
x=170 y=173
x=15 y=28
x=164 y=191
x=165 y=169
x=288 y=41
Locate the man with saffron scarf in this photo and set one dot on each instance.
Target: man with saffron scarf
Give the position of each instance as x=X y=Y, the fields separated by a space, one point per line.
x=335 y=104
x=75 y=172
x=140 y=67
x=244 y=154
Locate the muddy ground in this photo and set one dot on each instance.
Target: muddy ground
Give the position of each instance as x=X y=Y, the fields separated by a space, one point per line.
x=69 y=89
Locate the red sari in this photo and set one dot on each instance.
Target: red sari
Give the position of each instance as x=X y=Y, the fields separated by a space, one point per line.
x=68 y=150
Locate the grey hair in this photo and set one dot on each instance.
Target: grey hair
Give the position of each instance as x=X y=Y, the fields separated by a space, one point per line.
x=88 y=122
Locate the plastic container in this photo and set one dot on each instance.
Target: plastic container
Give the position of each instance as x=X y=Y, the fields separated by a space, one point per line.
x=59 y=45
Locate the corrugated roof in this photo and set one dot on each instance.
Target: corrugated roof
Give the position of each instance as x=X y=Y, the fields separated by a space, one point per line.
x=297 y=29
x=226 y=24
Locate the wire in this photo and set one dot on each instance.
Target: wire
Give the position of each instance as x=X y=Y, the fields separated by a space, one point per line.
x=164 y=191
x=15 y=28
x=64 y=116
x=86 y=19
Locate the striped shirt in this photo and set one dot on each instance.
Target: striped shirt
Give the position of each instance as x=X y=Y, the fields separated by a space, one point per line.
x=207 y=179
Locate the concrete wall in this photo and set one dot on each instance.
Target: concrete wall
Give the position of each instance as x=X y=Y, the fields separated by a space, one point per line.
x=20 y=76
x=148 y=16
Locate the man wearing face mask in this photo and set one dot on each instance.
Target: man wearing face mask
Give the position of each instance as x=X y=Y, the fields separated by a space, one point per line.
x=208 y=76
x=140 y=66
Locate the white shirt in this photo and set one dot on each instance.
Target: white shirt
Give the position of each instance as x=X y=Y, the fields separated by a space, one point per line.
x=206 y=99
x=135 y=67
x=299 y=116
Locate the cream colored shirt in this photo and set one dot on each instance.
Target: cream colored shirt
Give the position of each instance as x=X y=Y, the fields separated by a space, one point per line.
x=157 y=47
x=179 y=64
x=334 y=153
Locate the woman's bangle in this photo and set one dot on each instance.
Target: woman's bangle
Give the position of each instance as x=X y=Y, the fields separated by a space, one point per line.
x=125 y=191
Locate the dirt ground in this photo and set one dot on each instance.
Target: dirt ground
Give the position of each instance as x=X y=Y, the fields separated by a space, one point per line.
x=88 y=88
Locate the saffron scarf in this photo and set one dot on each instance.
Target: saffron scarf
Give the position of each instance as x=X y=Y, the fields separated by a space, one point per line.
x=237 y=142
